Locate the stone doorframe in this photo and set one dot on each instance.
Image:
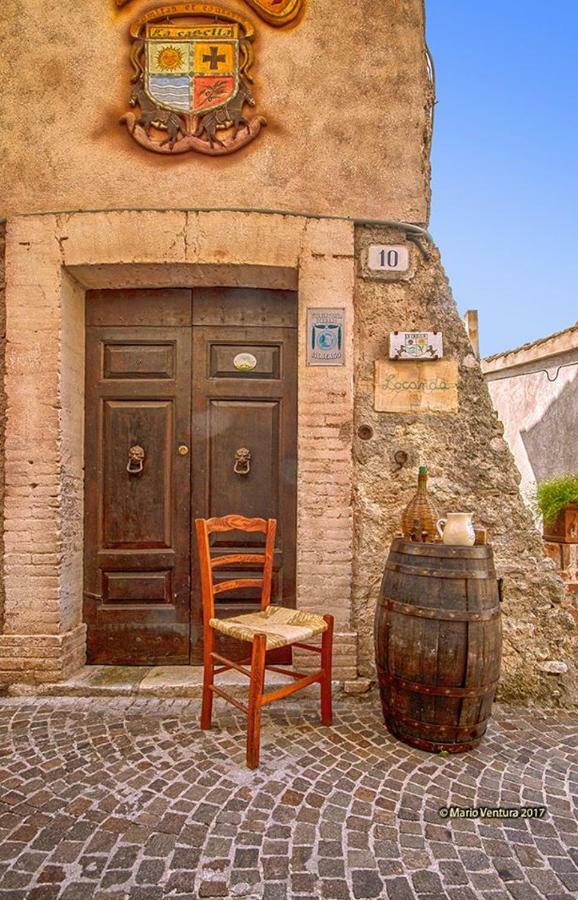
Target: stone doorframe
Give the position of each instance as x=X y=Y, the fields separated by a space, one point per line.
x=50 y=261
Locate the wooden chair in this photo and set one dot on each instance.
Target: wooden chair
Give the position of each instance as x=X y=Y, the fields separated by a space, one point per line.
x=268 y=629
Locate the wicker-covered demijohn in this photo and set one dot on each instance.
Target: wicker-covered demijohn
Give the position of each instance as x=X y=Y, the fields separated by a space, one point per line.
x=419 y=520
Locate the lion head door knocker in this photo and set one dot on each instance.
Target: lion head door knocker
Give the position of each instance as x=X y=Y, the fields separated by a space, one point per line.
x=192 y=80
x=242 y=465
x=136 y=458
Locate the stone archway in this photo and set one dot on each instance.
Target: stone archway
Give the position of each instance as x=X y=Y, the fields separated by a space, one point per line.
x=51 y=261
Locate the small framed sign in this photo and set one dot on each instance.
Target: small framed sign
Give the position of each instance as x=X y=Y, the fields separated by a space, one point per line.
x=416 y=345
x=388 y=258
x=325 y=337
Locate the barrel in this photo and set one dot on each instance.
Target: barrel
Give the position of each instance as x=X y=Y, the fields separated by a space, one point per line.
x=438 y=644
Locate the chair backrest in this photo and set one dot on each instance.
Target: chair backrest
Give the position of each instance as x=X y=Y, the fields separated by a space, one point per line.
x=208 y=562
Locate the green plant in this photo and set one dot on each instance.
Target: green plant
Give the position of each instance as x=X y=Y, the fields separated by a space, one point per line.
x=555 y=494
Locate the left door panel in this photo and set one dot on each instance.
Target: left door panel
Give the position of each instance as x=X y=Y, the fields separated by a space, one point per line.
x=137 y=494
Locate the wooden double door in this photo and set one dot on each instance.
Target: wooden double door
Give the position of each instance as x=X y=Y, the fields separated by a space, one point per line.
x=191 y=401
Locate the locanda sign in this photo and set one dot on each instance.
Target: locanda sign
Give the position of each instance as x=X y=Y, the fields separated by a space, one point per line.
x=416 y=386
x=393 y=384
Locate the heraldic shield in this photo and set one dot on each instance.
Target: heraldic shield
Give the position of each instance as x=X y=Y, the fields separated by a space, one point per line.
x=191 y=63
x=192 y=70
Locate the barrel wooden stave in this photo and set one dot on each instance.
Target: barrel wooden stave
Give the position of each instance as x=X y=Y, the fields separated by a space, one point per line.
x=438 y=644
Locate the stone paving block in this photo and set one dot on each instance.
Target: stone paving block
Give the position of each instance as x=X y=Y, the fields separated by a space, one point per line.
x=389 y=867
x=275 y=891
x=146 y=893
x=183 y=882
x=426 y=882
x=331 y=868
x=366 y=884
x=335 y=889
x=570 y=881
x=14 y=880
x=150 y=871
x=399 y=889
x=246 y=858
x=43 y=892
x=523 y=891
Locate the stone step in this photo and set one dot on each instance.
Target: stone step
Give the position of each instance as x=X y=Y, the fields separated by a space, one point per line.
x=144 y=681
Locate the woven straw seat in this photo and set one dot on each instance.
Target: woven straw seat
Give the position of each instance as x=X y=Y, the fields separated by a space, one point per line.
x=280 y=625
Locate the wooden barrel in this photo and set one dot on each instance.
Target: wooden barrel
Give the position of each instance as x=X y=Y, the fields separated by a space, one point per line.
x=438 y=644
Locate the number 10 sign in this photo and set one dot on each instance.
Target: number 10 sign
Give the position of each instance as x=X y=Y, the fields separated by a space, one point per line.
x=388 y=258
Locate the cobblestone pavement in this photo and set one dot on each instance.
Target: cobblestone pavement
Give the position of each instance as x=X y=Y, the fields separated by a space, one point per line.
x=126 y=798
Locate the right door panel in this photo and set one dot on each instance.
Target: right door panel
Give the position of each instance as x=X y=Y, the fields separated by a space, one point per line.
x=239 y=409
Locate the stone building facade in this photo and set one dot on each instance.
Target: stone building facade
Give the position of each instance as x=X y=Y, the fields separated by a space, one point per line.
x=534 y=389
x=342 y=164
x=535 y=393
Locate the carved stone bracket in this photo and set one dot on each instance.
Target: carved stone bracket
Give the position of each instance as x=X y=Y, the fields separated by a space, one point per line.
x=190 y=142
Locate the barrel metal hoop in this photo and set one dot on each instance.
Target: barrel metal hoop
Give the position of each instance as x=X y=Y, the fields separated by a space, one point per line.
x=438 y=550
x=446 y=615
x=463 y=574
x=436 y=690
x=472 y=731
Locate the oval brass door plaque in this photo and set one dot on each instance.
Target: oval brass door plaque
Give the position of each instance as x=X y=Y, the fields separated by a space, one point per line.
x=244 y=362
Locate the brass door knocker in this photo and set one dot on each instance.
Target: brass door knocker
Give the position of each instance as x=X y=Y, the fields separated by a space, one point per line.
x=242 y=464
x=136 y=456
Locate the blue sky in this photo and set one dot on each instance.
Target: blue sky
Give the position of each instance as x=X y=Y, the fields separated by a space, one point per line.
x=505 y=162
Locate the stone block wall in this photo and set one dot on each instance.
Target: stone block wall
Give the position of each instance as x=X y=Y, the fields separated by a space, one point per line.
x=471 y=468
x=2 y=401
x=565 y=557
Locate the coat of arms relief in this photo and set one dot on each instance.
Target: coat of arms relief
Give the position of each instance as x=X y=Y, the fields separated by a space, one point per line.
x=192 y=80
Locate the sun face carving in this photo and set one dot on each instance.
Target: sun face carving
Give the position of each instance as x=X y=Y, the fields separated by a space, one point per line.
x=169 y=59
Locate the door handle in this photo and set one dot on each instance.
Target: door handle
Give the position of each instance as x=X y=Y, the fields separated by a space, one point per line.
x=136 y=457
x=242 y=464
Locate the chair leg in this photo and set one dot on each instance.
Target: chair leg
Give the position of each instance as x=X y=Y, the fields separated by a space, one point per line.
x=208 y=676
x=255 y=698
x=326 y=663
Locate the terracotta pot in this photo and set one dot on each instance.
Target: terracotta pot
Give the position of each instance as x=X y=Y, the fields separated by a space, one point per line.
x=565 y=529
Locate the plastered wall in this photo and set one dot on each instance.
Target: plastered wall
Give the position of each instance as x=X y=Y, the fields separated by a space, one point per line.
x=345 y=92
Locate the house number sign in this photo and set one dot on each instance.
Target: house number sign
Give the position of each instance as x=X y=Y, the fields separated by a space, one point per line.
x=325 y=335
x=388 y=258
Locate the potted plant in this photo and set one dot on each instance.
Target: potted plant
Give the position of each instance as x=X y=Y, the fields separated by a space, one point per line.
x=558 y=502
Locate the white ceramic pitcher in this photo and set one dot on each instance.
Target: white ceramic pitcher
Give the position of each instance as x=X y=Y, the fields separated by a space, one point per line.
x=457 y=529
